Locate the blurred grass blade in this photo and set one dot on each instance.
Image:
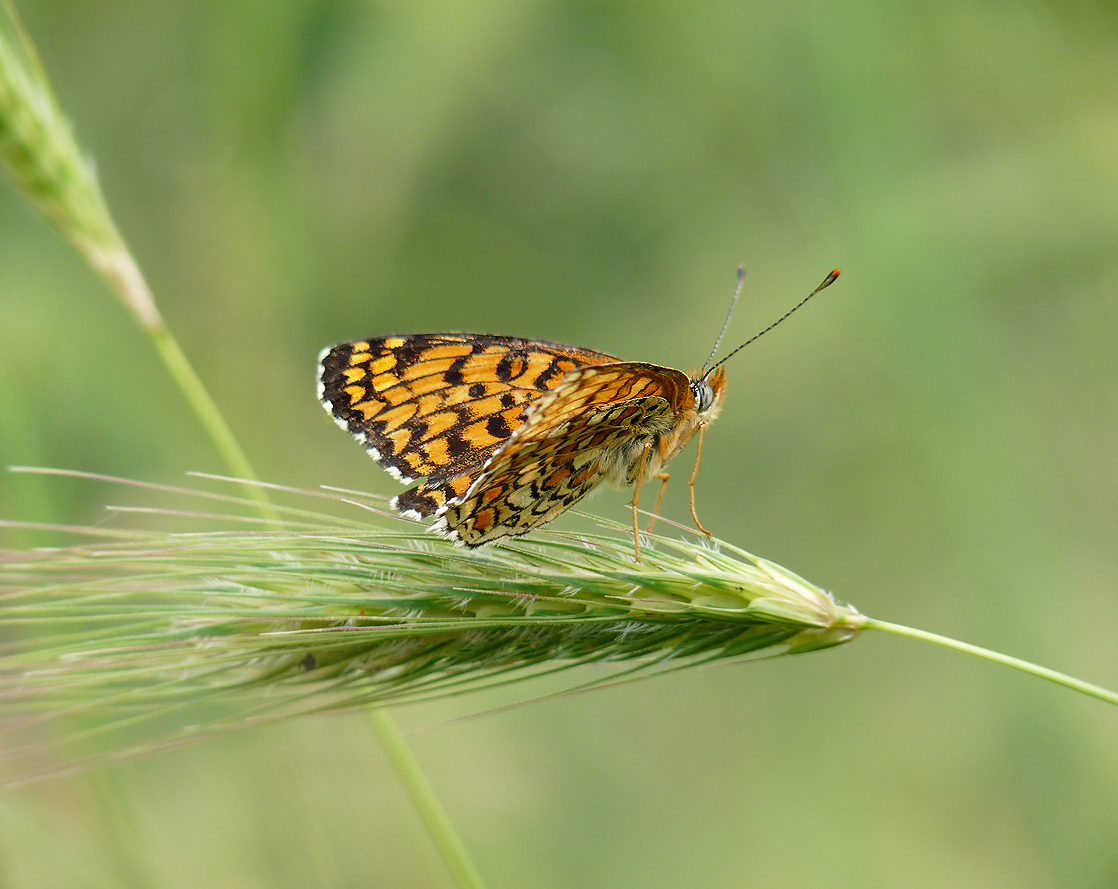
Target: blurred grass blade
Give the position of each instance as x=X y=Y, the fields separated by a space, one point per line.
x=38 y=147
x=430 y=809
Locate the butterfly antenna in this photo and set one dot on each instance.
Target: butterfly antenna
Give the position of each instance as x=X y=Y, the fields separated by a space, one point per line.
x=827 y=282
x=726 y=323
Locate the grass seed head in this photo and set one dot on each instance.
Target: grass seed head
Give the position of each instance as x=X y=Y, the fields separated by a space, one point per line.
x=223 y=628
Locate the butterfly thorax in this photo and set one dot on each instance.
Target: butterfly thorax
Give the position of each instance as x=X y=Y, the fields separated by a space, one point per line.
x=701 y=406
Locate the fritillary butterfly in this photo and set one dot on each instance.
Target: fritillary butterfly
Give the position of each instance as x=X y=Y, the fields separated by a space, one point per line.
x=507 y=433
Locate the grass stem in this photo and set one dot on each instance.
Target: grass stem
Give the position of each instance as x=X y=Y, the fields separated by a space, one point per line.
x=423 y=798
x=40 y=151
x=38 y=147
x=1079 y=685
x=198 y=397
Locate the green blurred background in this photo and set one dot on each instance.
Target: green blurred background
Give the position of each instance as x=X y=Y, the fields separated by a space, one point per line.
x=933 y=439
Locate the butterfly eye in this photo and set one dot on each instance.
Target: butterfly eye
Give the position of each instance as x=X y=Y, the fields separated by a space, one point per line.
x=704 y=395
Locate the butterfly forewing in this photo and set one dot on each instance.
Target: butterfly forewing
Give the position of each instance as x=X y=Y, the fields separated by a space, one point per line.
x=439 y=405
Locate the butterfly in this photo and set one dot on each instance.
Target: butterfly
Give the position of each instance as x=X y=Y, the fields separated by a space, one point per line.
x=508 y=433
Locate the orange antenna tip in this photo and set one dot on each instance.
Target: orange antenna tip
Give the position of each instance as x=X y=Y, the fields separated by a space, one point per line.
x=827 y=282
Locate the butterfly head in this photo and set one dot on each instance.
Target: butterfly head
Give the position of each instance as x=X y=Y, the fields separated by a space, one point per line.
x=708 y=390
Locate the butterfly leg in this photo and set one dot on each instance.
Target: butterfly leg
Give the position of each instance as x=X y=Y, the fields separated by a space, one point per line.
x=691 y=483
x=661 y=477
x=636 y=497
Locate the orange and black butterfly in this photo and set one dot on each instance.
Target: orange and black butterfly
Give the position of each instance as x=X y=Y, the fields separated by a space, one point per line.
x=507 y=433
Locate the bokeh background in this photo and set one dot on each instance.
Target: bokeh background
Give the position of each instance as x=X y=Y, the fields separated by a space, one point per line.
x=934 y=439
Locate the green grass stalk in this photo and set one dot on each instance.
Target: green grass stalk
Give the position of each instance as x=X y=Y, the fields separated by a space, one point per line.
x=427 y=804
x=41 y=153
x=38 y=147
x=1087 y=688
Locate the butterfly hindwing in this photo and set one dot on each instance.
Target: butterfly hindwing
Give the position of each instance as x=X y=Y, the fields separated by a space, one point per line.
x=593 y=427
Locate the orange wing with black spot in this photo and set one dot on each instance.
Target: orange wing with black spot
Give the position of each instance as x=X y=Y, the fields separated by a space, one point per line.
x=438 y=405
x=593 y=427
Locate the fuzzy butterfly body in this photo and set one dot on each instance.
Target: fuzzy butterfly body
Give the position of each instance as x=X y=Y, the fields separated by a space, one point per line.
x=508 y=433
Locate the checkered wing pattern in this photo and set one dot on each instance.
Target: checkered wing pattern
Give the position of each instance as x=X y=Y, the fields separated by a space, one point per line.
x=592 y=427
x=439 y=405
